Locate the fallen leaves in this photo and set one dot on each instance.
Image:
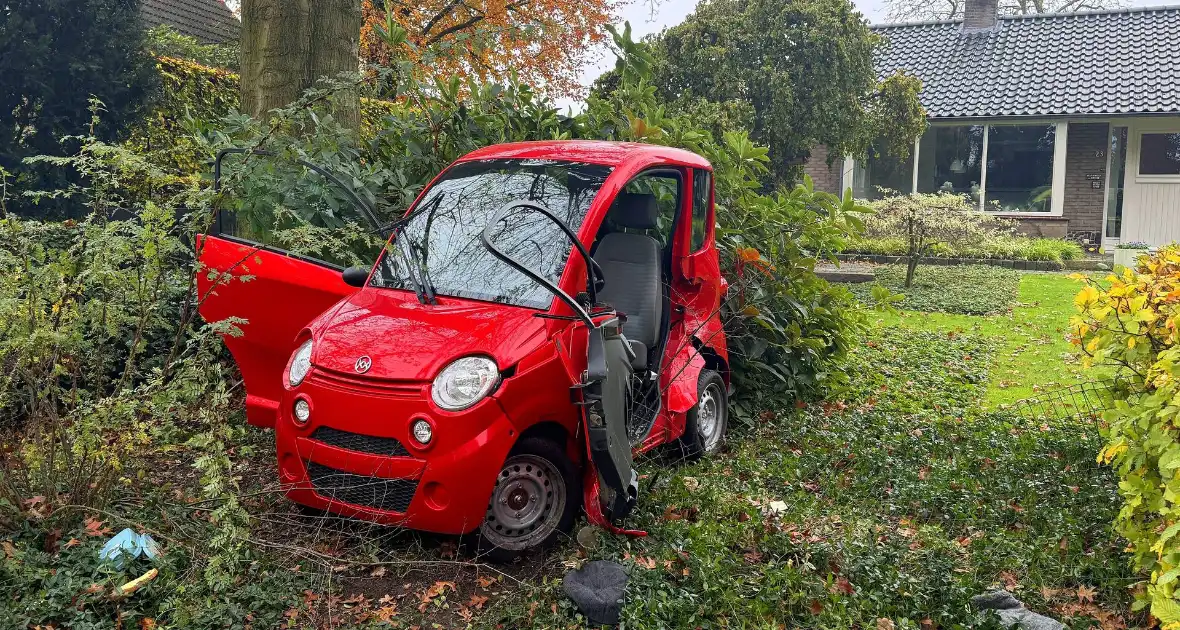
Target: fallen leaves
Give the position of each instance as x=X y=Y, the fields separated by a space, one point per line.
x=95 y=528
x=430 y=594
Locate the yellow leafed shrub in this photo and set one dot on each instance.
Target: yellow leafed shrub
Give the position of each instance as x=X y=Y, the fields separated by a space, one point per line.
x=1130 y=321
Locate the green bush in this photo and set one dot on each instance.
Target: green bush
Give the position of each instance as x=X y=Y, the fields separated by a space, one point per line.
x=1129 y=321
x=1001 y=247
x=165 y=41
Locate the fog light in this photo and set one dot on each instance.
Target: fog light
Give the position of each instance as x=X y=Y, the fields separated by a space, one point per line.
x=302 y=411
x=422 y=432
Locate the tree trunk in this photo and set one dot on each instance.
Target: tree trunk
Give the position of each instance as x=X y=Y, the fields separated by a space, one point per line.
x=911 y=266
x=287 y=45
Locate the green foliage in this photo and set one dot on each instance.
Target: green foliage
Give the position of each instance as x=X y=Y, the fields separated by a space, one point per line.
x=1130 y=321
x=926 y=221
x=995 y=247
x=897 y=118
x=899 y=502
x=165 y=41
x=55 y=55
x=966 y=289
x=802 y=69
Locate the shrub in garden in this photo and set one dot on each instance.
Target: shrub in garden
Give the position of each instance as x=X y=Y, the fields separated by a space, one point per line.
x=995 y=247
x=1131 y=321
x=925 y=221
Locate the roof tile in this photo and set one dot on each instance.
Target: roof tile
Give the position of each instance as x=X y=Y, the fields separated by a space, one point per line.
x=209 y=21
x=1088 y=63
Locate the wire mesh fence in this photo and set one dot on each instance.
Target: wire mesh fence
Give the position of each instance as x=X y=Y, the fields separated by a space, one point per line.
x=1081 y=403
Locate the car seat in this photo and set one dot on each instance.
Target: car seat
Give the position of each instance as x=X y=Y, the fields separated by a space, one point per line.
x=630 y=263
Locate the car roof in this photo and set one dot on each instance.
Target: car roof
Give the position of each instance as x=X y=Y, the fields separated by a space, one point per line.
x=588 y=151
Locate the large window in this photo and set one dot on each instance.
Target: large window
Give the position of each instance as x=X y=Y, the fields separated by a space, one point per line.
x=882 y=171
x=950 y=159
x=1020 y=167
x=1002 y=167
x=1159 y=154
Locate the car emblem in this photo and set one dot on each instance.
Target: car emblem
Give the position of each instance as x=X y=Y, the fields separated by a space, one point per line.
x=363 y=364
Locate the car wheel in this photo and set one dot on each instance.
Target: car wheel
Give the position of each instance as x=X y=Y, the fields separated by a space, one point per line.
x=705 y=424
x=535 y=501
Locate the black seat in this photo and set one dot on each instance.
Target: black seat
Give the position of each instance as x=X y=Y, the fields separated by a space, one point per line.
x=630 y=263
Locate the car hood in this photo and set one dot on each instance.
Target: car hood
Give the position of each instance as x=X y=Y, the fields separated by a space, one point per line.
x=407 y=340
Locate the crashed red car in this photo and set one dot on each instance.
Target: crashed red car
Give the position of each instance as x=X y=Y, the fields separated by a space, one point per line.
x=543 y=312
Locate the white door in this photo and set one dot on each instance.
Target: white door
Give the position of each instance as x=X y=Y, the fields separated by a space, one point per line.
x=1151 y=192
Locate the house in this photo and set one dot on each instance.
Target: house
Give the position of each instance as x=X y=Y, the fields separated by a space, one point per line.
x=1069 y=123
x=209 y=21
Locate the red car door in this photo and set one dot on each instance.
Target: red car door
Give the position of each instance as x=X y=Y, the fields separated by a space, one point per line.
x=277 y=294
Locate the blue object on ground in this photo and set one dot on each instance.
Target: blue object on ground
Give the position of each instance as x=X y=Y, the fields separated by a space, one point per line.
x=129 y=545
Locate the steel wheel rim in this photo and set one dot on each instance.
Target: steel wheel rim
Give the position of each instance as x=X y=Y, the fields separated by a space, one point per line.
x=709 y=416
x=527 y=503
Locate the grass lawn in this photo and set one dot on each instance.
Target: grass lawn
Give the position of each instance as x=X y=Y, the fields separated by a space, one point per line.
x=1032 y=354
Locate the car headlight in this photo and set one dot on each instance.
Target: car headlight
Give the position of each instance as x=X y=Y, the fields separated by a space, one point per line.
x=464 y=382
x=300 y=364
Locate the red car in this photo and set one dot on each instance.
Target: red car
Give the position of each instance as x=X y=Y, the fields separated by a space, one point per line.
x=543 y=312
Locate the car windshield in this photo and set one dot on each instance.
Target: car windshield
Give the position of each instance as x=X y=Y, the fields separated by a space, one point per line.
x=442 y=233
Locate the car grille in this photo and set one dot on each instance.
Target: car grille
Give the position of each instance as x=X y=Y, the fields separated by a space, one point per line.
x=388 y=447
x=392 y=495
x=356 y=384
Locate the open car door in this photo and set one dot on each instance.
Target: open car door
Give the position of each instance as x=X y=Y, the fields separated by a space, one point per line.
x=606 y=398
x=276 y=293
x=606 y=383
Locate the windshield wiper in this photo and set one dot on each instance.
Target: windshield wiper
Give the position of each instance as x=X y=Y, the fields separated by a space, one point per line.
x=409 y=254
x=424 y=271
x=411 y=275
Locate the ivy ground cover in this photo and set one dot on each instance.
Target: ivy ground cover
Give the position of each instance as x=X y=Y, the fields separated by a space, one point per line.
x=886 y=506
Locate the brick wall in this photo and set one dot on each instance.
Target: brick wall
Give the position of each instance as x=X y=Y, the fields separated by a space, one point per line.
x=1083 y=203
x=1047 y=227
x=826 y=178
x=979 y=14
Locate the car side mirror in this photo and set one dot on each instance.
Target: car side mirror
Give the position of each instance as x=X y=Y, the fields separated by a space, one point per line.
x=356 y=276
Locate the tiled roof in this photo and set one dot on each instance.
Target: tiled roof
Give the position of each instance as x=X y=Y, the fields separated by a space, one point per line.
x=209 y=21
x=1104 y=62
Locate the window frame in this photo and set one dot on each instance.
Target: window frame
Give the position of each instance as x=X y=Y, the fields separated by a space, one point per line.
x=1060 y=142
x=1150 y=178
x=709 y=220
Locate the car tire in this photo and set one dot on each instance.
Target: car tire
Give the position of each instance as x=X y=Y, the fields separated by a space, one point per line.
x=706 y=422
x=536 y=470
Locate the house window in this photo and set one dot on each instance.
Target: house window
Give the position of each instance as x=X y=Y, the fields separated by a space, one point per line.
x=950 y=159
x=1020 y=168
x=1005 y=168
x=1159 y=154
x=879 y=171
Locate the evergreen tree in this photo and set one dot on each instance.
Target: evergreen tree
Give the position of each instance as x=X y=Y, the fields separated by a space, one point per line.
x=55 y=55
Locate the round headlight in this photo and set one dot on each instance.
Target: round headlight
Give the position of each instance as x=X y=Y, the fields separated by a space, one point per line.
x=302 y=411
x=422 y=432
x=464 y=382
x=300 y=364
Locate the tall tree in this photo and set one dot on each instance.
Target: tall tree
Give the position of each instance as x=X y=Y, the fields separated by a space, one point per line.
x=804 y=68
x=545 y=42
x=919 y=10
x=287 y=45
x=55 y=55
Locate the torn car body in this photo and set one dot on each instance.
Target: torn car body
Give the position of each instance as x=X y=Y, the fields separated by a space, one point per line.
x=544 y=312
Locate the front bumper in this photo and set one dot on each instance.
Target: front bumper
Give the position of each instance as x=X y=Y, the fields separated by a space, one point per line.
x=357 y=458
